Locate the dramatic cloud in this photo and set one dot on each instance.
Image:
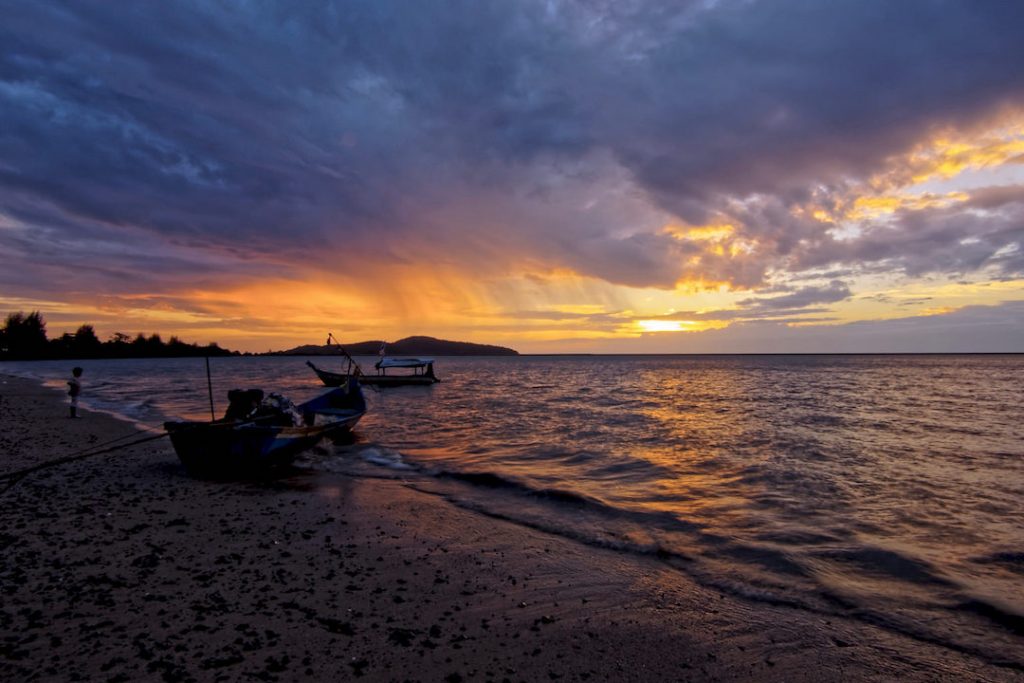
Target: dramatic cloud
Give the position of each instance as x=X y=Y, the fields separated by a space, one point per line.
x=801 y=298
x=982 y=329
x=172 y=152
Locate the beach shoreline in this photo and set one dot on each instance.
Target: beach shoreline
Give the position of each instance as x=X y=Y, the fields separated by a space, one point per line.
x=122 y=568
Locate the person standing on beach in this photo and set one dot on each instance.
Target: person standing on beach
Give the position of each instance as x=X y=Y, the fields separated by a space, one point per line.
x=74 y=389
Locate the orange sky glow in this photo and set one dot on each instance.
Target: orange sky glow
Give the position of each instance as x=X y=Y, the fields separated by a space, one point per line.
x=582 y=205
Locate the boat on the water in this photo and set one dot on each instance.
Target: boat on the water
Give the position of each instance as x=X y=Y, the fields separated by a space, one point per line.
x=422 y=370
x=258 y=434
x=422 y=373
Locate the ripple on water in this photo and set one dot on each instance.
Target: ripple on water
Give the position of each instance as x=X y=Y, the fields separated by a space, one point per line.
x=881 y=487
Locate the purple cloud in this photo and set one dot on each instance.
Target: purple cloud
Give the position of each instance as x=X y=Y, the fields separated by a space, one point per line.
x=274 y=135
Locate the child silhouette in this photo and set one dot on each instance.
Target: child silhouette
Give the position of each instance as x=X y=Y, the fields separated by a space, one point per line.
x=74 y=389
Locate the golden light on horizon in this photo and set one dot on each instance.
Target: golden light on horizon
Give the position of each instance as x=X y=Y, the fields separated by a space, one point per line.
x=664 y=325
x=654 y=325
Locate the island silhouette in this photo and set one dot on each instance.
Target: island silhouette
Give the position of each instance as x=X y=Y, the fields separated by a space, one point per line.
x=409 y=346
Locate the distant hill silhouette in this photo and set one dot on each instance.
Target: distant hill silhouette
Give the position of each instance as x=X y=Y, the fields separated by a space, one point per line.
x=410 y=346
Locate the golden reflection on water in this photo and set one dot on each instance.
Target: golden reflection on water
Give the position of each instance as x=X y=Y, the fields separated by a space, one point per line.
x=887 y=484
x=688 y=410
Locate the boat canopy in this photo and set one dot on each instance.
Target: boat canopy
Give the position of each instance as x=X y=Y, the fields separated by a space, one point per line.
x=404 y=362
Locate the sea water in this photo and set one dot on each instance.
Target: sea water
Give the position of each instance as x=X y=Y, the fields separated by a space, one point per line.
x=888 y=489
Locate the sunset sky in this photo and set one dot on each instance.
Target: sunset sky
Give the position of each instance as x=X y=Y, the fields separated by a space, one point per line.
x=555 y=176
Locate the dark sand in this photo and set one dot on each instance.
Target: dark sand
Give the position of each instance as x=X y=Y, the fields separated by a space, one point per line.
x=121 y=568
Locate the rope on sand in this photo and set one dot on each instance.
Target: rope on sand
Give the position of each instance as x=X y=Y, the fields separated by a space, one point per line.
x=134 y=432
x=12 y=478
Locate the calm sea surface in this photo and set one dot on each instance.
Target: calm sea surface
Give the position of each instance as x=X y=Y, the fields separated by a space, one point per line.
x=888 y=489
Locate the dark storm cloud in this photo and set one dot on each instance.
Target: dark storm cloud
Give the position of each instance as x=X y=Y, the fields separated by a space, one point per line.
x=801 y=298
x=802 y=304
x=986 y=231
x=741 y=314
x=773 y=96
x=304 y=129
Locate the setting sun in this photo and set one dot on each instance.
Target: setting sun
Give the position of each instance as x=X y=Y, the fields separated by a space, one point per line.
x=664 y=325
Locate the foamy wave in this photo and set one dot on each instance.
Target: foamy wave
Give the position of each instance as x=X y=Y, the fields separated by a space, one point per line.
x=385 y=458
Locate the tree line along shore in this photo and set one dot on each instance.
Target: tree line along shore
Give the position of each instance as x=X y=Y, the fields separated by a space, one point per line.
x=23 y=337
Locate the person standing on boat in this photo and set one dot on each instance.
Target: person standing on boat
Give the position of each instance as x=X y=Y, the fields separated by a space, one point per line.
x=74 y=389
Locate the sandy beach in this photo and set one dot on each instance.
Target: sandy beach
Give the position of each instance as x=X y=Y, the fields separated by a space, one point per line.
x=120 y=567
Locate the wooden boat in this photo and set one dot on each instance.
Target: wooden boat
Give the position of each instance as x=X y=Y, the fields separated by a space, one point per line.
x=422 y=373
x=255 y=437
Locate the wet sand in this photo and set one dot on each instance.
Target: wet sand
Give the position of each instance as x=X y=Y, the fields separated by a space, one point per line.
x=120 y=567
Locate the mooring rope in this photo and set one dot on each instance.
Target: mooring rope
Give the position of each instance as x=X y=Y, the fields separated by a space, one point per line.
x=134 y=432
x=12 y=478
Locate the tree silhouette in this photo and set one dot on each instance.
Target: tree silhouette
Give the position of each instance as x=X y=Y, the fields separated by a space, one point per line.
x=87 y=344
x=23 y=337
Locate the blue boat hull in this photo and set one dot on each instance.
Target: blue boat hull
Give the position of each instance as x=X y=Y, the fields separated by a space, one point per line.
x=245 y=447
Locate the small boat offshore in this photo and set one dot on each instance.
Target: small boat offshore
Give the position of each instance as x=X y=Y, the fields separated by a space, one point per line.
x=260 y=433
x=419 y=371
x=422 y=373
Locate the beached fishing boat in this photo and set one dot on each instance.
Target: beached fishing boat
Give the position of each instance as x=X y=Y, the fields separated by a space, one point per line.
x=258 y=434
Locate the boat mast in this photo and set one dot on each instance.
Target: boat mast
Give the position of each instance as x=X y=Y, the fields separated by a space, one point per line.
x=351 y=361
x=209 y=388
